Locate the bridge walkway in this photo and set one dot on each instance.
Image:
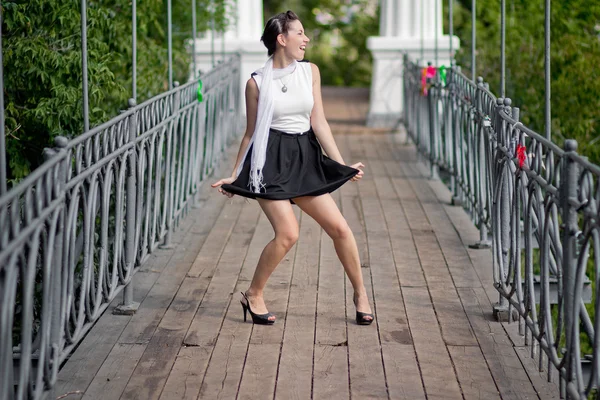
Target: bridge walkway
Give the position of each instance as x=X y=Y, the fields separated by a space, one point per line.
x=434 y=336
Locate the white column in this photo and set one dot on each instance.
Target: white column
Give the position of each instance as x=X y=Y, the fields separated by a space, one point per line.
x=249 y=18
x=415 y=16
x=403 y=18
x=242 y=36
x=429 y=18
x=386 y=17
x=402 y=34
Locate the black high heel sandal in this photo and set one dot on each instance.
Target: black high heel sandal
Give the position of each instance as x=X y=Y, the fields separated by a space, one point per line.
x=259 y=319
x=361 y=317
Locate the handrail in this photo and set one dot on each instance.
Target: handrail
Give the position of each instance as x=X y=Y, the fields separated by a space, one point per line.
x=74 y=232
x=541 y=204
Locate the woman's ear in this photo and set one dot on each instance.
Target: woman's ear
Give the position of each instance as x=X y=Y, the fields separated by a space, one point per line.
x=281 y=39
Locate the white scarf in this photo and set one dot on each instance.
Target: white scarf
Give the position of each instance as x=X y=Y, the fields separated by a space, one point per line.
x=264 y=116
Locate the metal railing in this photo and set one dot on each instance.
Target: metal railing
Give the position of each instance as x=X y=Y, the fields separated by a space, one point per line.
x=539 y=201
x=74 y=232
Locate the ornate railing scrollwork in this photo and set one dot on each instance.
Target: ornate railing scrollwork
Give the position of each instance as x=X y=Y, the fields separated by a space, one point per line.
x=75 y=231
x=539 y=201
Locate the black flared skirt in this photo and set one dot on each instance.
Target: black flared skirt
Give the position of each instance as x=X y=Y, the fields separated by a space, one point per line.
x=295 y=166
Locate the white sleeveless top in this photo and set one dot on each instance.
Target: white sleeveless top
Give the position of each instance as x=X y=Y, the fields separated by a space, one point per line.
x=292 y=108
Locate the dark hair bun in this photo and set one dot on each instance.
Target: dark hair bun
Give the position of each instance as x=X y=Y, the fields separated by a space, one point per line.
x=275 y=26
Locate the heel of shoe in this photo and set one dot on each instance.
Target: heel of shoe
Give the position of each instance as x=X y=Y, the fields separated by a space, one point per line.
x=245 y=308
x=259 y=319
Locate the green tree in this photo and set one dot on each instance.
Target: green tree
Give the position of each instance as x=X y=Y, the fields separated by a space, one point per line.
x=575 y=52
x=42 y=64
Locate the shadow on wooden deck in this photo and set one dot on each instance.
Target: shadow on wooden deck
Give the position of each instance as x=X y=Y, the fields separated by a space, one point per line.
x=433 y=336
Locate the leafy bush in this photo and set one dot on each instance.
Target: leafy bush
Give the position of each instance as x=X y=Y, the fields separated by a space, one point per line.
x=575 y=50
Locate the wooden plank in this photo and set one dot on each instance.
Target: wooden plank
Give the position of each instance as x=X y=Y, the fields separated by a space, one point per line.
x=260 y=369
x=350 y=205
x=114 y=374
x=331 y=372
x=330 y=376
x=367 y=377
x=544 y=389
x=85 y=362
x=392 y=191
x=480 y=259
x=222 y=376
x=382 y=208
x=455 y=254
x=294 y=380
x=453 y=321
x=504 y=364
x=473 y=374
x=391 y=316
x=216 y=240
x=277 y=293
x=144 y=322
x=258 y=380
x=436 y=367
x=331 y=307
x=203 y=271
x=403 y=246
x=185 y=378
x=151 y=374
x=403 y=373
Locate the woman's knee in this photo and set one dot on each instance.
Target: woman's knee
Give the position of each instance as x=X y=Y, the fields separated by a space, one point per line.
x=287 y=238
x=339 y=230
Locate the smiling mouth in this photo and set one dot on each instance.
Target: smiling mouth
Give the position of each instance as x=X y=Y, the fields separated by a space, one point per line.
x=303 y=48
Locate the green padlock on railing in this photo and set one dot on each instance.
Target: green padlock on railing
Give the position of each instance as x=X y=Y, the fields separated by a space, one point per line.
x=200 y=97
x=442 y=71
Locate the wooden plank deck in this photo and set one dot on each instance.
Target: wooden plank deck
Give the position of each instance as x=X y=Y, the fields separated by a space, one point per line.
x=433 y=336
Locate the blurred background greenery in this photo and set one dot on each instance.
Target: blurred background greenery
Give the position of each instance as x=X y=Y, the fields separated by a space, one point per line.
x=575 y=49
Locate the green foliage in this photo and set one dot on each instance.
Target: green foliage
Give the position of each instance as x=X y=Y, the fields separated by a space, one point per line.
x=338 y=31
x=43 y=73
x=575 y=52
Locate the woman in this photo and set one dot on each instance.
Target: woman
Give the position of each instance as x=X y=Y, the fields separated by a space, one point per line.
x=280 y=162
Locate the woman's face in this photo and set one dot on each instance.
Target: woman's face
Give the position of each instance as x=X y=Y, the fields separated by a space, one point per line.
x=295 y=41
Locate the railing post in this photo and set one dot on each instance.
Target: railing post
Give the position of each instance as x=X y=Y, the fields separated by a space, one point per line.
x=568 y=191
x=484 y=241
x=57 y=324
x=433 y=124
x=502 y=309
x=169 y=178
x=457 y=195
x=129 y=307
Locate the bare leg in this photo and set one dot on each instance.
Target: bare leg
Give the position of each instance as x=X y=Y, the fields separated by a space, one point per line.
x=324 y=210
x=285 y=225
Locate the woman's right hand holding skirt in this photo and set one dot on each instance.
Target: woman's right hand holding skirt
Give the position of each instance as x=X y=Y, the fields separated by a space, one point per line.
x=225 y=181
